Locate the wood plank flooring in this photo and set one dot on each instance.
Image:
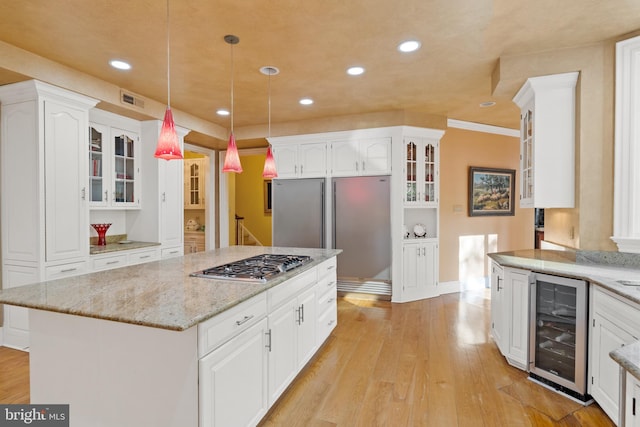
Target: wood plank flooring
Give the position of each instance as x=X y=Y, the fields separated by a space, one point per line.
x=425 y=363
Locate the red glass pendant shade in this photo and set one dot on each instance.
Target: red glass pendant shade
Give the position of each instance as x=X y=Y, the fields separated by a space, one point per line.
x=232 y=158
x=168 y=147
x=269 y=165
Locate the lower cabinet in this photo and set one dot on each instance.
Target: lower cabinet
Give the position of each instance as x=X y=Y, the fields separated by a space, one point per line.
x=614 y=323
x=419 y=274
x=233 y=380
x=632 y=404
x=510 y=313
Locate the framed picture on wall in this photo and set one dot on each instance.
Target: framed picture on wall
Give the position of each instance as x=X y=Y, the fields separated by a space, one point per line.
x=491 y=191
x=267 y=196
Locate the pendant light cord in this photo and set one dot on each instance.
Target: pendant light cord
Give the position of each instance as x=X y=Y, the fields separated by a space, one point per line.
x=168 y=62
x=232 y=88
x=269 y=105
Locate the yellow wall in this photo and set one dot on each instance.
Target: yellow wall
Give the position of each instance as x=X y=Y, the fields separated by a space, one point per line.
x=249 y=201
x=465 y=240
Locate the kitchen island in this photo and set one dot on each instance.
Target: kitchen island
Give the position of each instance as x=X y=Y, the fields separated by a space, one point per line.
x=151 y=345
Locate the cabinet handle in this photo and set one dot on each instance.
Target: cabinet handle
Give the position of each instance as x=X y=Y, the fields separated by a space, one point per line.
x=112 y=262
x=164 y=196
x=145 y=256
x=244 y=320
x=330 y=284
x=83 y=193
x=331 y=322
x=298 y=318
x=301 y=169
x=106 y=196
x=499 y=278
x=331 y=267
x=66 y=270
x=302 y=313
x=295 y=168
x=357 y=167
x=330 y=300
x=418 y=251
x=363 y=166
x=268 y=334
x=424 y=251
x=633 y=406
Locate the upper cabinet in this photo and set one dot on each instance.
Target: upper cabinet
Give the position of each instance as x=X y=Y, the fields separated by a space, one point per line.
x=304 y=160
x=371 y=156
x=114 y=173
x=421 y=172
x=194 y=183
x=547 y=141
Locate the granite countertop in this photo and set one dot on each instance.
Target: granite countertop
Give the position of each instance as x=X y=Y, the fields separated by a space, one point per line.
x=602 y=268
x=629 y=358
x=122 y=245
x=158 y=294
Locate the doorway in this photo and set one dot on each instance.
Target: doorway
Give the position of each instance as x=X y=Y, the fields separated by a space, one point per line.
x=198 y=200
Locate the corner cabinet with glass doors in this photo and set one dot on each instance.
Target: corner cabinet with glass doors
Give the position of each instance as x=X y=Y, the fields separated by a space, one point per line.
x=194 y=183
x=114 y=173
x=420 y=216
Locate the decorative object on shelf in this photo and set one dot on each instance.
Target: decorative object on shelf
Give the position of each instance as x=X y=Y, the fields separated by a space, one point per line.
x=269 y=162
x=168 y=147
x=101 y=229
x=491 y=191
x=192 y=225
x=419 y=230
x=405 y=232
x=232 y=158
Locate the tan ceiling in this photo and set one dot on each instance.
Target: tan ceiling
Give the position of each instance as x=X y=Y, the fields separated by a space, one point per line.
x=312 y=43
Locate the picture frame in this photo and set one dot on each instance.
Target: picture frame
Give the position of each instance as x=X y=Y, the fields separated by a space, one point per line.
x=491 y=191
x=267 y=196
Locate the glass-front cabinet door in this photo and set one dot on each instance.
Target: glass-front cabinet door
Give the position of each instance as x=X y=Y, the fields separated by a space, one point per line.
x=527 y=160
x=420 y=172
x=124 y=167
x=98 y=136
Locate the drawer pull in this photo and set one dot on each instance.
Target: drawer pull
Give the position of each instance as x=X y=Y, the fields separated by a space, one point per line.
x=66 y=270
x=330 y=284
x=331 y=322
x=145 y=256
x=330 y=300
x=244 y=320
x=112 y=262
x=330 y=267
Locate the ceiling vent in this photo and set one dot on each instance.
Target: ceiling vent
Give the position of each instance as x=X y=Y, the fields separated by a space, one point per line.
x=131 y=99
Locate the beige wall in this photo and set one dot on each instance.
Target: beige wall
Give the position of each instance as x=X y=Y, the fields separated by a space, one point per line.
x=249 y=200
x=465 y=240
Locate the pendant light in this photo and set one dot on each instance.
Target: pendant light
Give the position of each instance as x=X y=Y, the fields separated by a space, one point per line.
x=232 y=158
x=168 y=147
x=269 y=162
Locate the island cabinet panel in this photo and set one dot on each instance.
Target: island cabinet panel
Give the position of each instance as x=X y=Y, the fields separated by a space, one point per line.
x=632 y=401
x=326 y=291
x=112 y=373
x=614 y=323
x=233 y=380
x=498 y=321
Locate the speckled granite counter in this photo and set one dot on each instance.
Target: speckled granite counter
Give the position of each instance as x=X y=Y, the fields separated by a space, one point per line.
x=629 y=358
x=159 y=294
x=605 y=269
x=123 y=245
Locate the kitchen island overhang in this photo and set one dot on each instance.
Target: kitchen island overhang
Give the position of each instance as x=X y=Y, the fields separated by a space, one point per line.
x=122 y=346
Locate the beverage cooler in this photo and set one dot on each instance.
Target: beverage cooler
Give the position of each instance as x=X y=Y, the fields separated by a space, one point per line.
x=558 y=338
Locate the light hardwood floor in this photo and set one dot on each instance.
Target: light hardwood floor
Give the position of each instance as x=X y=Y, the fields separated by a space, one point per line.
x=425 y=363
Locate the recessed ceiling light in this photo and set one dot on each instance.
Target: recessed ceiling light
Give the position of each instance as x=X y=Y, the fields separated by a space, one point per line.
x=119 y=64
x=306 y=101
x=355 y=71
x=409 y=46
x=222 y=112
x=487 y=104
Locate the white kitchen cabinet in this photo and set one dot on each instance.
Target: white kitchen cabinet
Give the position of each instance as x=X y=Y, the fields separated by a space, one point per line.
x=499 y=328
x=292 y=340
x=614 y=323
x=44 y=200
x=632 y=401
x=371 y=156
x=547 y=141
x=114 y=170
x=421 y=171
x=517 y=285
x=326 y=291
x=420 y=272
x=162 y=217
x=194 y=183
x=304 y=160
x=233 y=380
x=510 y=313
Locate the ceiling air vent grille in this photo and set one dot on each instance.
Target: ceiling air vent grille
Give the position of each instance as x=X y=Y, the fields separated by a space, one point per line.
x=130 y=99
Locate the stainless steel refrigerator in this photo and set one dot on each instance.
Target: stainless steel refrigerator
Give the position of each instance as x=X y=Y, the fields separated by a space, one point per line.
x=358 y=223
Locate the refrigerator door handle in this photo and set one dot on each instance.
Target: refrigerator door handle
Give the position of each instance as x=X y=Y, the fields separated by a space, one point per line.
x=323 y=222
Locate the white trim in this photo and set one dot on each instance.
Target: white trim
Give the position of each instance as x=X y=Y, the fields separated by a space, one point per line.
x=479 y=127
x=210 y=196
x=448 y=287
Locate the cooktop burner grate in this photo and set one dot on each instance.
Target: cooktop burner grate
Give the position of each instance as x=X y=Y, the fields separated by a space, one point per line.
x=259 y=268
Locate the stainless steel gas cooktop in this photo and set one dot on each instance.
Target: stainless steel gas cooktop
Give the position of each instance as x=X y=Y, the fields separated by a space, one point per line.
x=259 y=268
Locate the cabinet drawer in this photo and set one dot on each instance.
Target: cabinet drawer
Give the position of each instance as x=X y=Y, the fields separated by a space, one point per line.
x=172 y=252
x=282 y=292
x=327 y=299
x=217 y=330
x=108 y=262
x=327 y=321
x=622 y=314
x=327 y=268
x=144 y=256
x=65 y=270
